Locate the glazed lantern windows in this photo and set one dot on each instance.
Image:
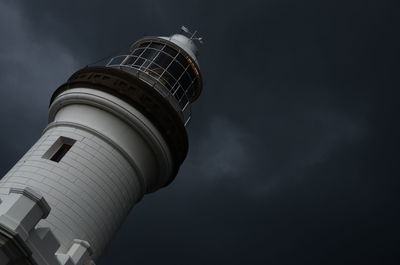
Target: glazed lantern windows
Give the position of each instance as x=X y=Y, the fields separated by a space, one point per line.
x=170 y=66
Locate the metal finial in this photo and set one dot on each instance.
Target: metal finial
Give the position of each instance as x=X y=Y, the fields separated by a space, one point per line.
x=191 y=35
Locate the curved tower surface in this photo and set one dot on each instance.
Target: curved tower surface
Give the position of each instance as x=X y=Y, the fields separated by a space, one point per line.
x=115 y=133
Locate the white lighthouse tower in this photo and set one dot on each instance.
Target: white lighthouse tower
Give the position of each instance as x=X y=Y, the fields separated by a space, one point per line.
x=115 y=133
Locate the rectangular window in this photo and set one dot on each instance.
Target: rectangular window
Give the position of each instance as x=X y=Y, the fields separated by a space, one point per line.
x=64 y=148
x=59 y=149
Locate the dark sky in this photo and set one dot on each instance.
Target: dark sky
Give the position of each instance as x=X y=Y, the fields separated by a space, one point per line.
x=294 y=143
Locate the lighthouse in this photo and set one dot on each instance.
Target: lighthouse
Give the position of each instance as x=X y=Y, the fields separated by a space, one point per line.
x=115 y=133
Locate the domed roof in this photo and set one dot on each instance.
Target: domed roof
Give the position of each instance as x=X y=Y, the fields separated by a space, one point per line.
x=185 y=44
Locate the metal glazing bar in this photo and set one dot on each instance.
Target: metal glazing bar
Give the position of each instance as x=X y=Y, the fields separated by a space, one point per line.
x=114 y=58
x=188 y=120
x=155 y=57
x=165 y=69
x=187 y=104
x=139 y=55
x=184 y=71
x=126 y=59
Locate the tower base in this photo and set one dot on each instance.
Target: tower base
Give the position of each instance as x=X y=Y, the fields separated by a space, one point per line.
x=23 y=244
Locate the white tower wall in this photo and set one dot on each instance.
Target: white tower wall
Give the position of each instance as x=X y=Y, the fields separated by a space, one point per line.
x=118 y=155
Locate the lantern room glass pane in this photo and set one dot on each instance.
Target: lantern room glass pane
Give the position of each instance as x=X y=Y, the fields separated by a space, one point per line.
x=163 y=60
x=170 y=51
x=179 y=93
x=169 y=79
x=185 y=81
x=190 y=90
x=191 y=73
x=182 y=60
x=138 y=62
x=145 y=44
x=156 y=46
x=138 y=52
x=130 y=60
x=176 y=70
x=149 y=54
x=183 y=102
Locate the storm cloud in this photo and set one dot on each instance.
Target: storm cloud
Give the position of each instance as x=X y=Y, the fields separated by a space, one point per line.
x=293 y=143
